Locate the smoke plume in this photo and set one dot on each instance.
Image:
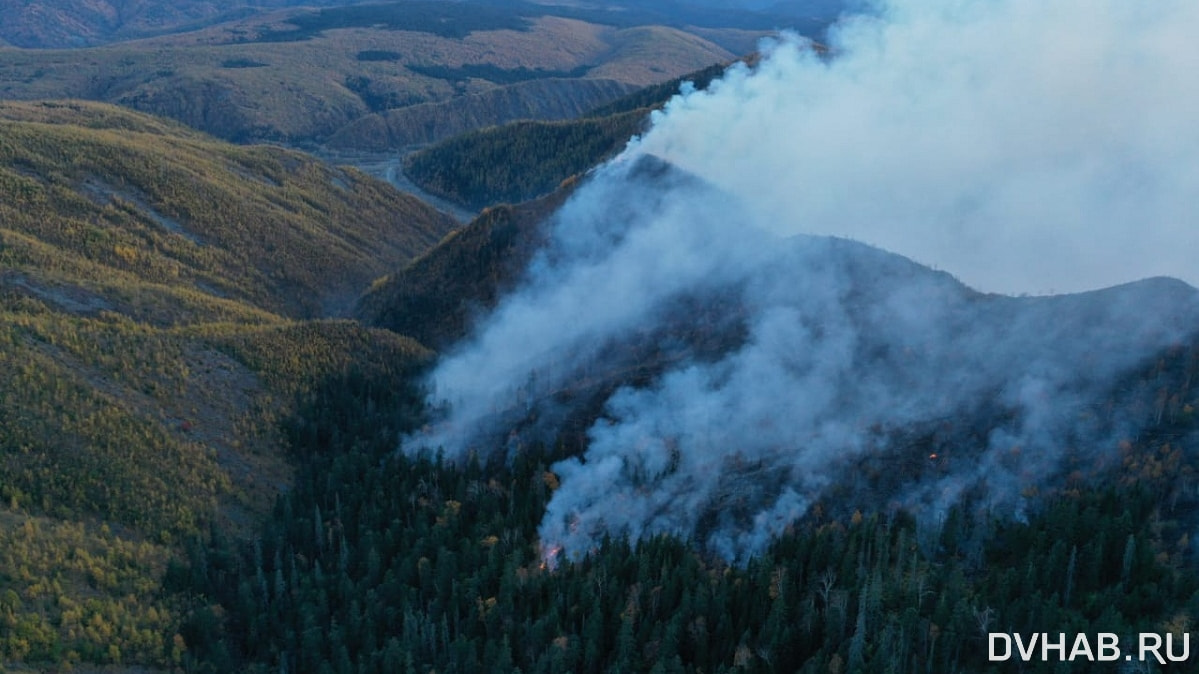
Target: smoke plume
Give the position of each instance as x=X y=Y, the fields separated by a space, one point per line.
x=1024 y=146
x=1020 y=146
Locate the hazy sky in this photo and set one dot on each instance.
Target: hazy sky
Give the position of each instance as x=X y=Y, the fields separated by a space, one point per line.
x=1023 y=145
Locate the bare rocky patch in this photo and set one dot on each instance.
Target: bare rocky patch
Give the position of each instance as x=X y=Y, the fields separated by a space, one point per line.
x=101 y=193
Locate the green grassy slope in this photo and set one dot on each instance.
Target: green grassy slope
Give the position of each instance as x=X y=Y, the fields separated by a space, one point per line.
x=161 y=296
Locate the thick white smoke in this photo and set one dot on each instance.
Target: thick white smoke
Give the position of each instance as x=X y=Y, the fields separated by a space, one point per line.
x=1022 y=146
x=1005 y=390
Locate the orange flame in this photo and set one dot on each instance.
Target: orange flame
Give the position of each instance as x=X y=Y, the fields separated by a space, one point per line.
x=549 y=556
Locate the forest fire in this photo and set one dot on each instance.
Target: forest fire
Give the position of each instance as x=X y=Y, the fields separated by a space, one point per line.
x=828 y=337
x=549 y=556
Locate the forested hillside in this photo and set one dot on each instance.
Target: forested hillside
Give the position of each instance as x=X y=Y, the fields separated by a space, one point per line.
x=544 y=99
x=448 y=573
x=381 y=563
x=117 y=198
x=518 y=161
x=436 y=297
x=263 y=414
x=154 y=412
x=524 y=160
x=152 y=286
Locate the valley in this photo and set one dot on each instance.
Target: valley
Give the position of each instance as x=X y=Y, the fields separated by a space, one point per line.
x=389 y=167
x=359 y=338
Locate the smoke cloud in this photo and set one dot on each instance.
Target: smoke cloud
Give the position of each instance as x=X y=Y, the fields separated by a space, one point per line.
x=1023 y=146
x=1020 y=146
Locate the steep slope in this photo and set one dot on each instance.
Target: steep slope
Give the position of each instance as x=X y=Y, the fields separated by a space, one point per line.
x=632 y=58
x=518 y=161
x=118 y=197
x=547 y=99
x=152 y=282
x=132 y=249
x=524 y=160
x=434 y=298
x=652 y=339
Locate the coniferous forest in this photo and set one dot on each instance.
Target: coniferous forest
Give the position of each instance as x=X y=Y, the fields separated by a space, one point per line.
x=376 y=562
x=213 y=353
x=524 y=160
x=119 y=553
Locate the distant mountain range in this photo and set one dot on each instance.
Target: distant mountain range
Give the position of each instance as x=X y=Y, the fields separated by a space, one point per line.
x=56 y=24
x=372 y=77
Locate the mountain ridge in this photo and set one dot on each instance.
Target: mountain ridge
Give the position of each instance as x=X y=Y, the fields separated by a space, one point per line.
x=900 y=362
x=76 y=23
x=243 y=81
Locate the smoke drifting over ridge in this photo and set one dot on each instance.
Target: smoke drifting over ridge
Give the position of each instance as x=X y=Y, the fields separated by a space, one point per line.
x=1018 y=146
x=1023 y=146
